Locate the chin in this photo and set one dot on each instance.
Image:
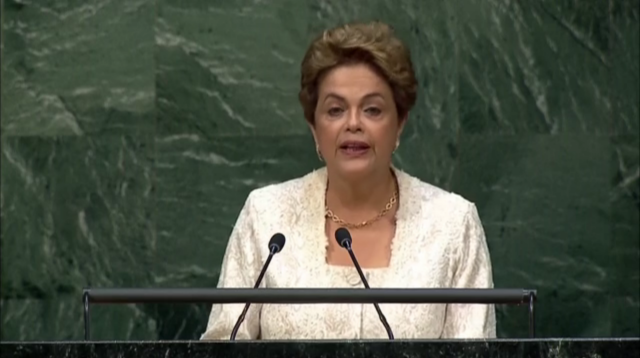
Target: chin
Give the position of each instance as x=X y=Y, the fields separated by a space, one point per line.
x=356 y=169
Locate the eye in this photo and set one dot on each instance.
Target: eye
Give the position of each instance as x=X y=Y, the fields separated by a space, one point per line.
x=374 y=111
x=335 y=111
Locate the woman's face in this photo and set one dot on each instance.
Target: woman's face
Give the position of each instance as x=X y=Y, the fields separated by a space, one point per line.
x=356 y=121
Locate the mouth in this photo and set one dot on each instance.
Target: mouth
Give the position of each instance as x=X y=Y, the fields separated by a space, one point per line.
x=354 y=147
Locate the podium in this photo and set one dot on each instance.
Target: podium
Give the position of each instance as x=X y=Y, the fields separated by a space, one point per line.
x=522 y=348
x=551 y=348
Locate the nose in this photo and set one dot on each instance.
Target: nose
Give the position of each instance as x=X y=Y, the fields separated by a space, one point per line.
x=353 y=122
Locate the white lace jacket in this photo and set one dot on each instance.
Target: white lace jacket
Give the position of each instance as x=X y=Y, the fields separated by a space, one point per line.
x=439 y=243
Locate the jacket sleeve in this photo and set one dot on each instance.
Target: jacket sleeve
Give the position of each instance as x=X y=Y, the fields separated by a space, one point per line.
x=240 y=268
x=473 y=271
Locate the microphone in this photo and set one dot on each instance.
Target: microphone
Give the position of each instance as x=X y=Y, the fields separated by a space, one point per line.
x=344 y=240
x=275 y=245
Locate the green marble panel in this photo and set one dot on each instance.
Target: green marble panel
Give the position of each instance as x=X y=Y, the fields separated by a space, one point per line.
x=76 y=212
x=539 y=66
x=544 y=204
x=625 y=78
x=77 y=67
x=625 y=199
x=229 y=68
x=625 y=73
x=430 y=157
x=517 y=100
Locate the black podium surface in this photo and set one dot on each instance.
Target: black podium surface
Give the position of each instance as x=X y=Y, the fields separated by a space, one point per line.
x=556 y=348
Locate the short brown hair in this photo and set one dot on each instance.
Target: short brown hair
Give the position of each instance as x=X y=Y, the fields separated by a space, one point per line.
x=371 y=43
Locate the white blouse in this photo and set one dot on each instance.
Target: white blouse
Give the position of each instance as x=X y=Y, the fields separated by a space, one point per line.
x=439 y=243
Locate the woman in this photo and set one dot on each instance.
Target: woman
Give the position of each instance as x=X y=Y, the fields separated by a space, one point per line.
x=357 y=89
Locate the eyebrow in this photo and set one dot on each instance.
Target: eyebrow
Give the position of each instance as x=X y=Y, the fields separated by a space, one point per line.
x=337 y=96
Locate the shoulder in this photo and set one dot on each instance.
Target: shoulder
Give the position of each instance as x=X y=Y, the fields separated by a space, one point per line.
x=441 y=214
x=294 y=192
x=425 y=199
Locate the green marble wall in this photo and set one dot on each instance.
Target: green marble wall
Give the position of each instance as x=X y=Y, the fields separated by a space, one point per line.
x=132 y=131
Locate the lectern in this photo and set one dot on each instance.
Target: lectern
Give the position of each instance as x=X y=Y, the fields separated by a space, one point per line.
x=507 y=348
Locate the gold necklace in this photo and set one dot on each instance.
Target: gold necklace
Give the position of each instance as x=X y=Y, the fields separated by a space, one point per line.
x=329 y=214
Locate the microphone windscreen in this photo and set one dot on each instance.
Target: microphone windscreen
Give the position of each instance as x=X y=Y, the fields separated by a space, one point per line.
x=343 y=236
x=277 y=241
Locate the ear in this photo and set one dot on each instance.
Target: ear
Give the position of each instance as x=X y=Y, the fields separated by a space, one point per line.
x=313 y=132
x=401 y=125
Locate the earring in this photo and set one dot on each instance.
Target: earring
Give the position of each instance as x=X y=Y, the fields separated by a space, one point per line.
x=397 y=145
x=319 y=154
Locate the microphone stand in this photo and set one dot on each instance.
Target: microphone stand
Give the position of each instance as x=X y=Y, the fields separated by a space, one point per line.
x=383 y=319
x=273 y=249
